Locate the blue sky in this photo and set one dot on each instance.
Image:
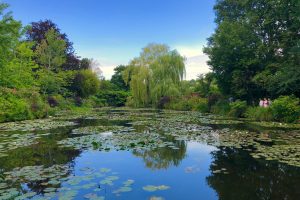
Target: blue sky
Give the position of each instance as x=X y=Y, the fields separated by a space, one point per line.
x=114 y=31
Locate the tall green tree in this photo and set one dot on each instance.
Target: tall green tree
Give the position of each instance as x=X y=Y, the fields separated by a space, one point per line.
x=117 y=78
x=16 y=56
x=37 y=33
x=86 y=83
x=51 y=51
x=156 y=73
x=256 y=48
x=10 y=32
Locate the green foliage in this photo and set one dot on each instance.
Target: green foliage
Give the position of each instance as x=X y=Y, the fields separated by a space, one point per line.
x=38 y=106
x=51 y=51
x=86 y=83
x=10 y=32
x=179 y=105
x=238 y=109
x=117 y=78
x=221 y=107
x=22 y=104
x=13 y=108
x=51 y=83
x=206 y=84
x=113 y=98
x=254 y=52
x=17 y=72
x=259 y=113
x=155 y=74
x=202 y=105
x=184 y=104
x=286 y=109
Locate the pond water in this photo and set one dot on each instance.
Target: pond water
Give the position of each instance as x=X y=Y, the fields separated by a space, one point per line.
x=111 y=154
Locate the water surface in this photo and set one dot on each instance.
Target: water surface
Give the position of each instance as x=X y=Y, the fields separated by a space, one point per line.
x=146 y=154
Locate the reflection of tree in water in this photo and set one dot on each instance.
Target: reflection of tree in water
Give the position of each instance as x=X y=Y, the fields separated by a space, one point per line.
x=252 y=179
x=164 y=157
x=45 y=153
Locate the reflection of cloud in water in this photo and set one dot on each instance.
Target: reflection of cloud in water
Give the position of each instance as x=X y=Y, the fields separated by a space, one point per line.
x=106 y=134
x=198 y=147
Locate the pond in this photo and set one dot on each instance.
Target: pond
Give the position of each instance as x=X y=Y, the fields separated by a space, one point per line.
x=111 y=154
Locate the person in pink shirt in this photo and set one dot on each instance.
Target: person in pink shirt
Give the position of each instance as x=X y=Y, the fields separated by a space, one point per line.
x=265 y=103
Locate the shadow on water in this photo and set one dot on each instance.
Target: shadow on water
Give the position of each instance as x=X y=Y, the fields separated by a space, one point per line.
x=250 y=178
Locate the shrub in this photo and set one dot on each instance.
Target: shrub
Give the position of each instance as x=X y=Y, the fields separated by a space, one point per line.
x=199 y=104
x=238 y=109
x=213 y=99
x=222 y=107
x=21 y=104
x=286 y=109
x=13 y=108
x=112 y=98
x=78 y=101
x=183 y=105
x=259 y=113
x=60 y=102
x=130 y=102
x=163 y=101
x=86 y=83
x=179 y=104
x=38 y=107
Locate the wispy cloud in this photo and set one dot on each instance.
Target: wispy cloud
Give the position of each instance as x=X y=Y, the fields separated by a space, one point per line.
x=196 y=60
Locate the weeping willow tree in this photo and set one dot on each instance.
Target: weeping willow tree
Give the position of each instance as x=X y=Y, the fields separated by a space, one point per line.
x=156 y=73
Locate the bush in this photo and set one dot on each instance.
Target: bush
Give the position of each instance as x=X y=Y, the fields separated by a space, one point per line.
x=163 y=101
x=21 y=104
x=222 y=107
x=60 y=102
x=286 y=109
x=181 y=104
x=199 y=104
x=13 y=108
x=259 y=113
x=213 y=99
x=130 y=102
x=112 y=98
x=38 y=107
x=238 y=109
x=85 y=83
x=194 y=103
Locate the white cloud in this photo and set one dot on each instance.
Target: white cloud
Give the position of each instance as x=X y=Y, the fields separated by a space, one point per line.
x=196 y=65
x=108 y=71
x=196 y=60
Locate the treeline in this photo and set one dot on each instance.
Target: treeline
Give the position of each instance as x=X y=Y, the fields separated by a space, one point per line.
x=254 y=54
x=40 y=73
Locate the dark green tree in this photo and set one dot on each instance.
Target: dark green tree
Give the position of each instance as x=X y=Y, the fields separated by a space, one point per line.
x=117 y=78
x=255 y=49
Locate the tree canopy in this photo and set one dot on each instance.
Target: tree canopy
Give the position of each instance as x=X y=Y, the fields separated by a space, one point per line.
x=156 y=73
x=255 y=49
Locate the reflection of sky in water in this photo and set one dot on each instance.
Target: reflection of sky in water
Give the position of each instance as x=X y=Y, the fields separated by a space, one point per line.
x=185 y=184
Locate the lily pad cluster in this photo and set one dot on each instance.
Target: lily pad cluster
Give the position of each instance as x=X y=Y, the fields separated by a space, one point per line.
x=10 y=141
x=32 y=125
x=58 y=182
x=50 y=178
x=153 y=188
x=124 y=139
x=95 y=129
